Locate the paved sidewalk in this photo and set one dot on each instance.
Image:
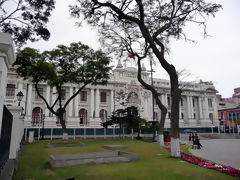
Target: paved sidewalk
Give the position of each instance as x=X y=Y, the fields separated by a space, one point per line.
x=223 y=149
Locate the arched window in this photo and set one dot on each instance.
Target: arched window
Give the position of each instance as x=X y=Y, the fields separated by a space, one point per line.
x=211 y=117
x=103 y=115
x=82 y=116
x=133 y=98
x=37 y=115
x=64 y=118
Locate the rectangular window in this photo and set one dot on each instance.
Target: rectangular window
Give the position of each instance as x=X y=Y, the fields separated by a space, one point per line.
x=103 y=97
x=210 y=103
x=211 y=117
x=193 y=102
x=63 y=97
x=83 y=96
x=10 y=91
x=169 y=115
x=36 y=94
x=181 y=101
x=182 y=115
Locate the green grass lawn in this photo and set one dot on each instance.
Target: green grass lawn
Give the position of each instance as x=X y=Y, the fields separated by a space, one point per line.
x=34 y=163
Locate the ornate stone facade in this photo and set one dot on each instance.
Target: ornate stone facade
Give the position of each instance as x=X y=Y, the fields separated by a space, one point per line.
x=198 y=107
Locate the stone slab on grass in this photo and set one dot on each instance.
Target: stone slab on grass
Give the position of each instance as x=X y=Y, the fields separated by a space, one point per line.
x=65 y=144
x=65 y=160
x=115 y=147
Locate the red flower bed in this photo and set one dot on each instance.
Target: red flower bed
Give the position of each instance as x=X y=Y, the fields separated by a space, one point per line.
x=204 y=163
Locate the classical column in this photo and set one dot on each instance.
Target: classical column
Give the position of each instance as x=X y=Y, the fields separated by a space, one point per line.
x=97 y=103
x=76 y=101
x=146 y=105
x=162 y=99
x=206 y=108
x=92 y=102
x=20 y=87
x=215 y=117
x=166 y=100
x=47 y=99
x=200 y=108
x=189 y=108
x=54 y=97
x=112 y=101
x=29 y=100
x=70 y=112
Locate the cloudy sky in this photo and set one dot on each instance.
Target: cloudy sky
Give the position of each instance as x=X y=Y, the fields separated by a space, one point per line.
x=216 y=58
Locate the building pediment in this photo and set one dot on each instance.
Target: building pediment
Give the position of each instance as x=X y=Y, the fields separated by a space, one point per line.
x=212 y=90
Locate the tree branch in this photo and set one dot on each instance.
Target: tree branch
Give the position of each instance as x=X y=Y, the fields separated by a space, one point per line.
x=141 y=10
x=17 y=9
x=39 y=94
x=121 y=14
x=74 y=95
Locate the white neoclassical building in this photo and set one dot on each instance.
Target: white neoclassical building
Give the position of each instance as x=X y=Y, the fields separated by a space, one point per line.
x=198 y=107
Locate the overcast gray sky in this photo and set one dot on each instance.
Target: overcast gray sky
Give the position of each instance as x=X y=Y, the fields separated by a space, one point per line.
x=216 y=58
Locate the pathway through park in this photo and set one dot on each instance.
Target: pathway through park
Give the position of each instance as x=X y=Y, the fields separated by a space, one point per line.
x=223 y=149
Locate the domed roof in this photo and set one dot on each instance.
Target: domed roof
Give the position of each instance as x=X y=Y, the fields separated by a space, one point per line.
x=119 y=65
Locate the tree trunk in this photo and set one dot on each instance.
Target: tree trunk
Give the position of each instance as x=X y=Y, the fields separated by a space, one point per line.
x=62 y=122
x=161 y=126
x=175 y=91
x=159 y=103
x=175 y=95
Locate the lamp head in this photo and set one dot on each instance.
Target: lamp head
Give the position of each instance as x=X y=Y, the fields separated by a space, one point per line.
x=19 y=96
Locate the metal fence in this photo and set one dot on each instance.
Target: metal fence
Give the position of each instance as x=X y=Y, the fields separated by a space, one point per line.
x=5 y=138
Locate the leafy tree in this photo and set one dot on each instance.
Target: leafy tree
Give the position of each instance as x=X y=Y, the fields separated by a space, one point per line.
x=77 y=64
x=145 y=27
x=127 y=118
x=26 y=19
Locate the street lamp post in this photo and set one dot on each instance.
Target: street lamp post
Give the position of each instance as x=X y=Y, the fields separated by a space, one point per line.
x=153 y=121
x=19 y=97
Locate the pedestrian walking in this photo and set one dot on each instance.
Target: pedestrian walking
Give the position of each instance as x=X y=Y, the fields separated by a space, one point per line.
x=190 y=138
x=197 y=141
x=193 y=138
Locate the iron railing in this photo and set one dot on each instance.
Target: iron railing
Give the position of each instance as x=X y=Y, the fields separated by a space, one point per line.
x=5 y=138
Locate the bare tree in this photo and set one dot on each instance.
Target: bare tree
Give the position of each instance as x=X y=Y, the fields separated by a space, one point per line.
x=149 y=23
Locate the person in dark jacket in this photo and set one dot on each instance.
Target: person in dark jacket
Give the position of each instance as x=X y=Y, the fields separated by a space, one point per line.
x=193 y=138
x=190 y=137
x=197 y=141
